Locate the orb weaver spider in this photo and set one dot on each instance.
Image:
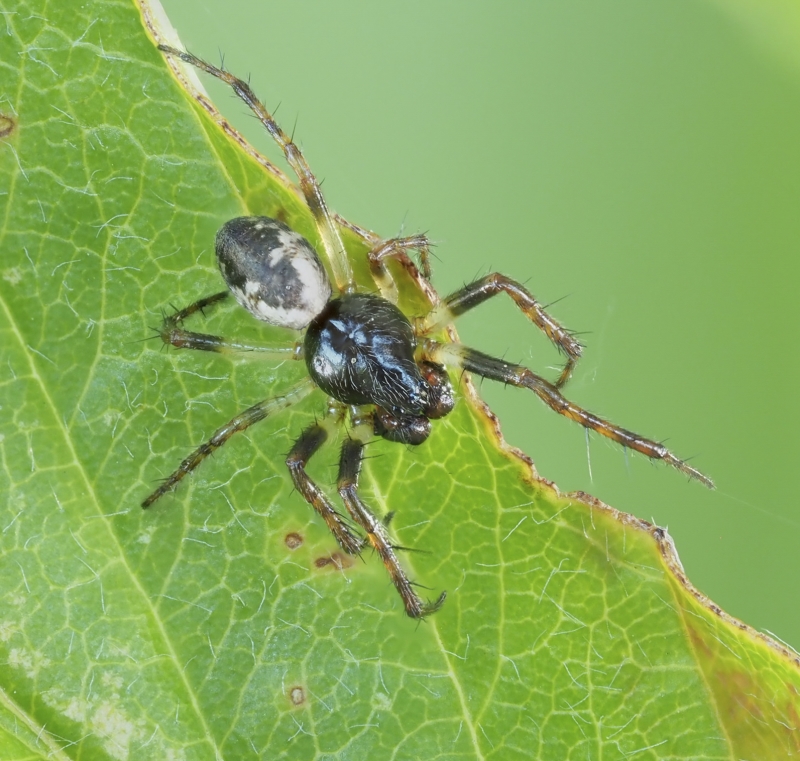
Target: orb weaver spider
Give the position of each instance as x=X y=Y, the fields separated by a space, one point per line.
x=379 y=368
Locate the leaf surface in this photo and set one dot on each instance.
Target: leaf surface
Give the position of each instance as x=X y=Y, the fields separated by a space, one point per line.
x=194 y=630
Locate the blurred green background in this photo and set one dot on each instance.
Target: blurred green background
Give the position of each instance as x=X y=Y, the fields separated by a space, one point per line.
x=639 y=161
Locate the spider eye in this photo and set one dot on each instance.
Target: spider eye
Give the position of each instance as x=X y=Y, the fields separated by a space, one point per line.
x=272 y=271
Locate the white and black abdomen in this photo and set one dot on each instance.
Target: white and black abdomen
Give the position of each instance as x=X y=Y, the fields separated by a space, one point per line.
x=360 y=350
x=272 y=271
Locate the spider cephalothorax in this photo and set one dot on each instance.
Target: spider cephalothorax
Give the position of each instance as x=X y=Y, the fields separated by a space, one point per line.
x=379 y=368
x=360 y=350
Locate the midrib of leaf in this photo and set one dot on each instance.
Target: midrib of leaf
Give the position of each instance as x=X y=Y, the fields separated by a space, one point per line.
x=379 y=498
x=113 y=539
x=38 y=730
x=468 y=718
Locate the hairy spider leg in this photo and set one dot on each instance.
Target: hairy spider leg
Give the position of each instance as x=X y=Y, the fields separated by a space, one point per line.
x=395 y=248
x=329 y=234
x=240 y=423
x=517 y=375
x=199 y=306
x=349 y=469
x=477 y=292
x=173 y=334
x=303 y=450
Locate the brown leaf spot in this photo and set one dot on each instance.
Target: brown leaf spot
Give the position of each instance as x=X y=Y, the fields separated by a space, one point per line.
x=7 y=126
x=293 y=540
x=297 y=695
x=336 y=560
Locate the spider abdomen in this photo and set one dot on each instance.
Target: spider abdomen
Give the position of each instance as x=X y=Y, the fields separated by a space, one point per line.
x=360 y=350
x=272 y=271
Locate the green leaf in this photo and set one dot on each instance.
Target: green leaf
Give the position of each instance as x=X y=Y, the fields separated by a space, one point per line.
x=193 y=630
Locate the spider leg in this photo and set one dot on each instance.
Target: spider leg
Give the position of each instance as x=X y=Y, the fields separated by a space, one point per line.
x=328 y=232
x=476 y=293
x=241 y=422
x=395 y=248
x=303 y=450
x=173 y=334
x=199 y=306
x=347 y=482
x=517 y=375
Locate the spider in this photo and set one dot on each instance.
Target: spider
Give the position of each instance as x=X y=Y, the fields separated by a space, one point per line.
x=380 y=369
